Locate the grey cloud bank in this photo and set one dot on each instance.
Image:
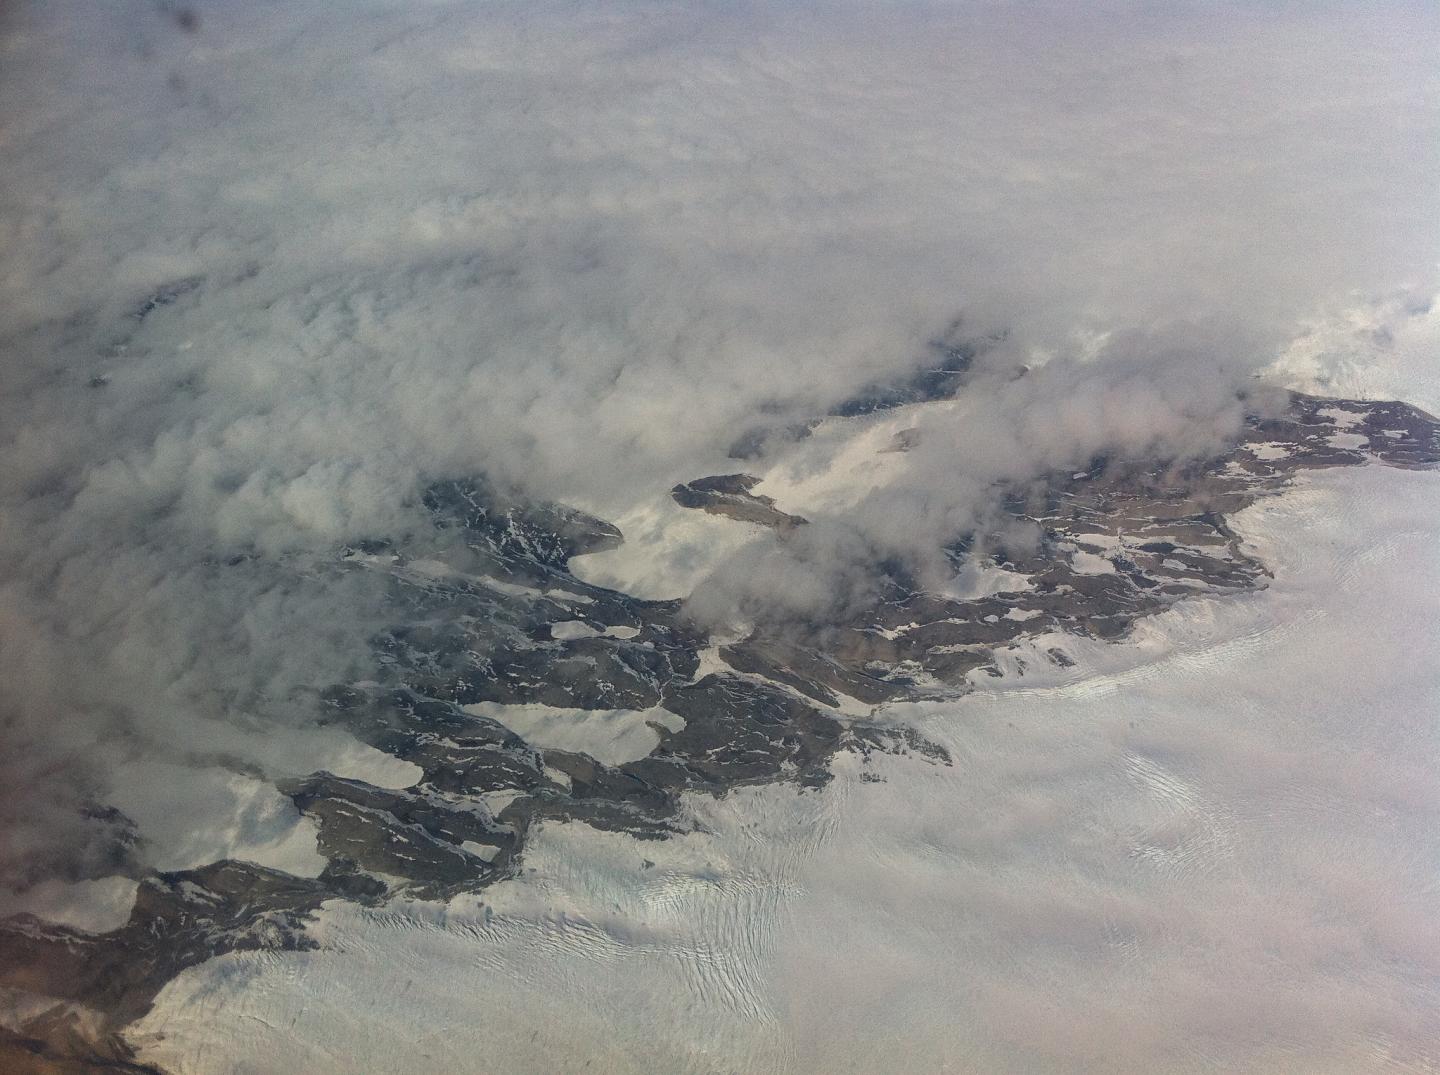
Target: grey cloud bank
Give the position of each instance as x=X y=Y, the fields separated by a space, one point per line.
x=580 y=247
x=263 y=278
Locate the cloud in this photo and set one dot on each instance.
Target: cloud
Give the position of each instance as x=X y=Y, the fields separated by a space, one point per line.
x=1136 y=396
x=265 y=276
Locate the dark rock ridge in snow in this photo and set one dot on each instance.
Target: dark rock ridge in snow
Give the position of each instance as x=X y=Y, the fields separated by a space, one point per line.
x=730 y=495
x=471 y=607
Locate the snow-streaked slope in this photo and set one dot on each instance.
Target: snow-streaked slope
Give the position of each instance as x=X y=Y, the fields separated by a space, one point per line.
x=1214 y=848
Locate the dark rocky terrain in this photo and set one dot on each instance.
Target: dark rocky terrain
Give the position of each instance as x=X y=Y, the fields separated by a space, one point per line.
x=471 y=606
x=730 y=495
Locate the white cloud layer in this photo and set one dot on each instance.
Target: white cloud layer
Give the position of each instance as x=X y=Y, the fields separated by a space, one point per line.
x=263 y=276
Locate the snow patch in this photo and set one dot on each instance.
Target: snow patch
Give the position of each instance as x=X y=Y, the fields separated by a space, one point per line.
x=611 y=736
x=1342 y=418
x=1088 y=563
x=978 y=580
x=572 y=629
x=1347 y=440
x=1269 y=452
x=194 y=816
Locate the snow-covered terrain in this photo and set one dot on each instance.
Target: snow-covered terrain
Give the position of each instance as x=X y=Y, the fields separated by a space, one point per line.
x=1213 y=847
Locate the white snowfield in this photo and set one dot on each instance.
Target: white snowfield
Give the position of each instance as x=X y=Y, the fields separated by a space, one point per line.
x=612 y=736
x=1213 y=848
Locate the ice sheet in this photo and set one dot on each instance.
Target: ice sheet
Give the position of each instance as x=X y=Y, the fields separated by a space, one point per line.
x=1212 y=848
